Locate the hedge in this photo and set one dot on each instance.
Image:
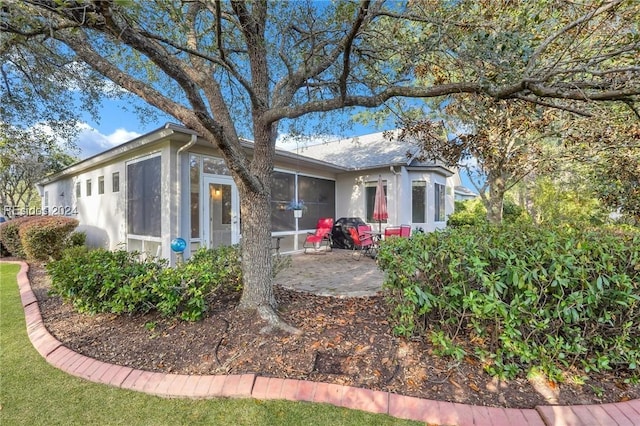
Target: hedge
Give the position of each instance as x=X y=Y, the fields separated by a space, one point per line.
x=526 y=298
x=10 y=235
x=121 y=282
x=43 y=238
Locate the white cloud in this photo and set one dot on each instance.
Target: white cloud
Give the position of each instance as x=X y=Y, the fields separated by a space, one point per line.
x=91 y=142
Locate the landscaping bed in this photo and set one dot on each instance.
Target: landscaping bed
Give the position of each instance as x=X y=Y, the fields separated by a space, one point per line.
x=345 y=341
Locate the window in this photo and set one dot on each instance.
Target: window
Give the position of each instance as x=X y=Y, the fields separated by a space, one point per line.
x=46 y=202
x=144 y=205
x=282 y=192
x=370 y=196
x=78 y=190
x=439 y=202
x=215 y=166
x=319 y=199
x=194 y=173
x=88 y=187
x=115 y=182
x=318 y=196
x=100 y=184
x=418 y=201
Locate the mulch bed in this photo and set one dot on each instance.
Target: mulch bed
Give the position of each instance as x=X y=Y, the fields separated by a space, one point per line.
x=345 y=341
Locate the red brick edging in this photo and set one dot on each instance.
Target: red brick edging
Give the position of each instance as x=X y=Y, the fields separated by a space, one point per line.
x=253 y=386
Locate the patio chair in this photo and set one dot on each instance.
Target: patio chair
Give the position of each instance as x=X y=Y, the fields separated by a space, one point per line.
x=321 y=237
x=398 y=231
x=363 y=243
x=392 y=231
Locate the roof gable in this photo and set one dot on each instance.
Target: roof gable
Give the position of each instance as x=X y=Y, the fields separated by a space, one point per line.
x=363 y=152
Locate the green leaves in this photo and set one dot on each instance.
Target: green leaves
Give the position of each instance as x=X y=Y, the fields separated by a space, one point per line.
x=120 y=282
x=529 y=298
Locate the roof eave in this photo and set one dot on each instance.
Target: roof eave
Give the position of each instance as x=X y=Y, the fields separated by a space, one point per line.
x=147 y=139
x=435 y=168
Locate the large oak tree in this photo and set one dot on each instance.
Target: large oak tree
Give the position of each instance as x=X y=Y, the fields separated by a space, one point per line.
x=218 y=66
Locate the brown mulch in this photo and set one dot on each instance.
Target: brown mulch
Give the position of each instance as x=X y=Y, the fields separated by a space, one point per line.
x=345 y=341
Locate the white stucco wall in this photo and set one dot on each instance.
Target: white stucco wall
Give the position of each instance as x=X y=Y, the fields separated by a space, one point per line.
x=101 y=216
x=350 y=196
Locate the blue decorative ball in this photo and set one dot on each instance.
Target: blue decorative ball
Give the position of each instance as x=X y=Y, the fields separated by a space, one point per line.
x=178 y=245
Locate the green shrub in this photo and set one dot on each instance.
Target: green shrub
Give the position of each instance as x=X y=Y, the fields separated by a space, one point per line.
x=184 y=291
x=119 y=282
x=93 y=279
x=526 y=298
x=45 y=237
x=512 y=212
x=10 y=235
x=77 y=239
x=468 y=213
x=3 y=250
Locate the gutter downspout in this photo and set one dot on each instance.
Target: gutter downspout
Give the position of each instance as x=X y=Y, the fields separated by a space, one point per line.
x=179 y=195
x=397 y=191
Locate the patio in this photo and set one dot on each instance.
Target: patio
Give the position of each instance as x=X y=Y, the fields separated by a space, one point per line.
x=338 y=273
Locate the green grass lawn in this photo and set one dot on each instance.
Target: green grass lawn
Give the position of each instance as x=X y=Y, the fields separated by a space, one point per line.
x=34 y=393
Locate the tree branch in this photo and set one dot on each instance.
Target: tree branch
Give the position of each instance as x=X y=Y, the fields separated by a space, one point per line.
x=296 y=81
x=295 y=111
x=582 y=95
x=86 y=52
x=553 y=37
x=348 y=42
x=554 y=106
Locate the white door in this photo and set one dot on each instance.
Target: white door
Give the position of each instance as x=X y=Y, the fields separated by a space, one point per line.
x=221 y=212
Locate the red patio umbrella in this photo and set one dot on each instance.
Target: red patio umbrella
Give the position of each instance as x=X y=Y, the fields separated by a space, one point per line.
x=380 y=204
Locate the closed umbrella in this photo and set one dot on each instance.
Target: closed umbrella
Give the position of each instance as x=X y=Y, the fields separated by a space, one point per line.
x=380 y=205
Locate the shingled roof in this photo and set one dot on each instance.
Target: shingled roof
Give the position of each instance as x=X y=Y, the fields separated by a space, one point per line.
x=363 y=152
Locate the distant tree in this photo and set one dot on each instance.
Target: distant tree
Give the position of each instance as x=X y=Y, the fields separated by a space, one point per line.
x=593 y=171
x=618 y=182
x=497 y=142
x=609 y=148
x=26 y=157
x=221 y=68
x=566 y=199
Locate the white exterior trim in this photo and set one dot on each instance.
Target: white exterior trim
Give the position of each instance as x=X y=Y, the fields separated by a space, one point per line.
x=104 y=216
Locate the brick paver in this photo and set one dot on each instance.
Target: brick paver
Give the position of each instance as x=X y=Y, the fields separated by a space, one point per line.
x=164 y=385
x=366 y=400
x=116 y=375
x=260 y=386
x=250 y=385
x=274 y=387
x=217 y=385
x=289 y=389
x=306 y=391
x=175 y=389
x=618 y=414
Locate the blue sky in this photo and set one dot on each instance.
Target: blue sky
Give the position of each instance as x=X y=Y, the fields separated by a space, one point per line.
x=117 y=126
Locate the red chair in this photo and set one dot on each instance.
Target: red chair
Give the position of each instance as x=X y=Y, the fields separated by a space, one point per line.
x=322 y=236
x=363 y=243
x=398 y=231
x=393 y=231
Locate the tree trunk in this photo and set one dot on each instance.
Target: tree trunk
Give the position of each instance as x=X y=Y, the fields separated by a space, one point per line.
x=256 y=251
x=496 y=198
x=257 y=260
